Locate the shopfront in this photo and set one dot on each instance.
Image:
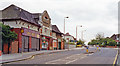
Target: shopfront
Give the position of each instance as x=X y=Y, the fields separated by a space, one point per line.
x=25 y=43
x=46 y=43
x=55 y=44
x=35 y=44
x=30 y=40
x=59 y=43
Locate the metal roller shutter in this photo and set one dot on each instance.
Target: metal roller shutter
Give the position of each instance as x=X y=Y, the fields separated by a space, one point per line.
x=25 y=43
x=35 y=44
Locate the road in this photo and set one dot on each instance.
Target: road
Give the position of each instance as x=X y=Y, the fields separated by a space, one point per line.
x=78 y=56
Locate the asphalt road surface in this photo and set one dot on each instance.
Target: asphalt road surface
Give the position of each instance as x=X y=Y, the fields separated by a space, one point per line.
x=77 y=56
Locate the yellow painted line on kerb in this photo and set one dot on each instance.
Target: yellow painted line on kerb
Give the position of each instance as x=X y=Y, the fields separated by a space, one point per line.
x=115 y=59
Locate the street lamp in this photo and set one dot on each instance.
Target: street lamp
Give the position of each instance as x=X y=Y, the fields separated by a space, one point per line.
x=76 y=30
x=64 y=31
x=64 y=23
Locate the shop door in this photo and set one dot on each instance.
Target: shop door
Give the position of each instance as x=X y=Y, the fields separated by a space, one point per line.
x=35 y=44
x=25 y=44
x=59 y=45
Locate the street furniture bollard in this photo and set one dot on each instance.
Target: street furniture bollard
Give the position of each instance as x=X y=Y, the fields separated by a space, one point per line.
x=86 y=49
x=97 y=48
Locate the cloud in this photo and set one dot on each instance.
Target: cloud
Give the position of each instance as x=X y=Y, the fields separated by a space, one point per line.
x=95 y=15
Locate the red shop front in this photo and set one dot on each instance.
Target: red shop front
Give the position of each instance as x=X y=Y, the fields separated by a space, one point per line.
x=46 y=43
x=28 y=40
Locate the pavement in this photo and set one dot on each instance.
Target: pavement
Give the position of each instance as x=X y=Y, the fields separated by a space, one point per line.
x=6 y=58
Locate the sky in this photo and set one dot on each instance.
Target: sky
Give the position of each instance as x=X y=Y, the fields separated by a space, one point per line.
x=95 y=16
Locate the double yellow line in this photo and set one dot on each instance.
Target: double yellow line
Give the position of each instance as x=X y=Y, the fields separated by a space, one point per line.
x=115 y=59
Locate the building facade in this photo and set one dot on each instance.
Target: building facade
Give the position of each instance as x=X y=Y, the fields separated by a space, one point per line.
x=68 y=37
x=58 y=42
x=116 y=37
x=34 y=30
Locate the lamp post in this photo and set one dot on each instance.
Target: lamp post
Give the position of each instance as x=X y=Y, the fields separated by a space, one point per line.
x=76 y=30
x=64 y=31
x=64 y=23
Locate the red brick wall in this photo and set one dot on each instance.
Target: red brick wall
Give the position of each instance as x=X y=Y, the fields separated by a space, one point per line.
x=62 y=45
x=29 y=42
x=57 y=44
x=17 y=30
x=40 y=43
x=111 y=46
x=5 y=48
x=20 y=40
x=14 y=47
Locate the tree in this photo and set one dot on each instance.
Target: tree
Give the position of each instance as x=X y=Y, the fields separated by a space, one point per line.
x=103 y=42
x=7 y=35
x=99 y=36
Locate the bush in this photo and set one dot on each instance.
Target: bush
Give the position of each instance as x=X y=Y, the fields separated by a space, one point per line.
x=103 y=42
x=72 y=43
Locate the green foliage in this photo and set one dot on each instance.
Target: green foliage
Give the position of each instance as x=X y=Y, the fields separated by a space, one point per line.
x=72 y=43
x=7 y=35
x=80 y=42
x=103 y=42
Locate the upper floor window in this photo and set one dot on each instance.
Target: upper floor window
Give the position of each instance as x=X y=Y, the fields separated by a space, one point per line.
x=45 y=30
x=46 y=17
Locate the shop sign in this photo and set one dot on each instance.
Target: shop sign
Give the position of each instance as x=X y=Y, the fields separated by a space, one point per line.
x=28 y=32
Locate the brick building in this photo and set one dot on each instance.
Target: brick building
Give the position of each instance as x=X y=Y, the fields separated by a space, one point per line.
x=69 y=37
x=34 y=30
x=57 y=38
x=116 y=37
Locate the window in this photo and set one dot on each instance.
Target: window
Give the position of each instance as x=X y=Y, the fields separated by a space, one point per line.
x=46 y=17
x=23 y=23
x=45 y=30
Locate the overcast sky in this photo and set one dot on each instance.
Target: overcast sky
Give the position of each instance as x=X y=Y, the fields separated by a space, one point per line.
x=96 y=16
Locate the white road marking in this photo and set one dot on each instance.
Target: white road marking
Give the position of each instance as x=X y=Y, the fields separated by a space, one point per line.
x=82 y=57
x=71 y=61
x=67 y=60
x=50 y=62
x=90 y=54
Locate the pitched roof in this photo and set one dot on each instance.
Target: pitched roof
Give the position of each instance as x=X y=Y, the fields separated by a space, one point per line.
x=55 y=29
x=67 y=34
x=21 y=14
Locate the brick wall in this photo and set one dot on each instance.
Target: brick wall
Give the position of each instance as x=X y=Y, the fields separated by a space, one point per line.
x=62 y=45
x=14 y=47
x=30 y=43
x=5 y=48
